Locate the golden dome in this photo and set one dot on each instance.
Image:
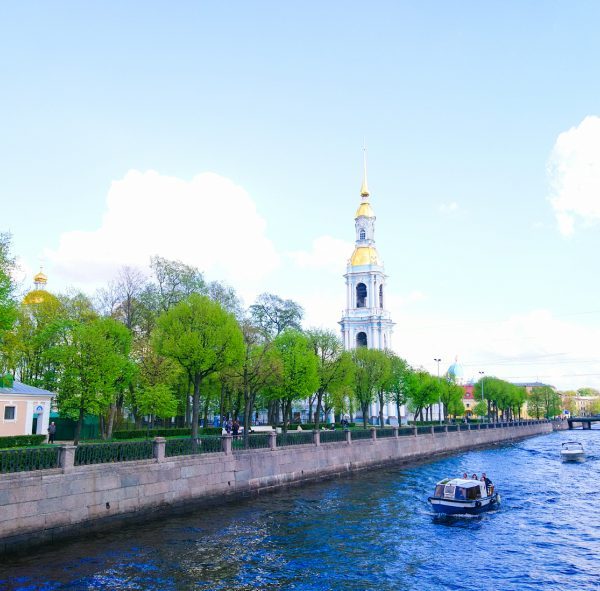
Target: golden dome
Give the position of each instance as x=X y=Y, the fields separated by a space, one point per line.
x=364 y=255
x=40 y=278
x=365 y=209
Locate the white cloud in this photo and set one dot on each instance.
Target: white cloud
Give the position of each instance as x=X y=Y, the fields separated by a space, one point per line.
x=326 y=253
x=209 y=222
x=574 y=174
x=448 y=208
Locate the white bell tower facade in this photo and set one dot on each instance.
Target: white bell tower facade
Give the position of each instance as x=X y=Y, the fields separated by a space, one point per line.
x=365 y=321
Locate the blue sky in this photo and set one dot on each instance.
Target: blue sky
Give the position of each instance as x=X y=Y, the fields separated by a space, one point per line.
x=266 y=105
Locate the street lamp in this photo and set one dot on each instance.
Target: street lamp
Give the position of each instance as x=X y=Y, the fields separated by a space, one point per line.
x=440 y=397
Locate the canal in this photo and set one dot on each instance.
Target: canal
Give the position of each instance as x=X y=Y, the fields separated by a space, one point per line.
x=373 y=530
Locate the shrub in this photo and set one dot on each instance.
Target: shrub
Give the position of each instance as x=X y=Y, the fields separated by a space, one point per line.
x=21 y=441
x=171 y=432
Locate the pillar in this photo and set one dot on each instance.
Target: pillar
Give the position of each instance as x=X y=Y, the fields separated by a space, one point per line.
x=158 y=449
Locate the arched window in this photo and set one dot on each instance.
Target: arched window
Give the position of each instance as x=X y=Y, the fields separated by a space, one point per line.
x=361 y=295
x=381 y=296
x=361 y=339
x=362 y=235
x=385 y=341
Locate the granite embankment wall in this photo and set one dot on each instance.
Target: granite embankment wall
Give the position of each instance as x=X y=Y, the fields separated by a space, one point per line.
x=39 y=506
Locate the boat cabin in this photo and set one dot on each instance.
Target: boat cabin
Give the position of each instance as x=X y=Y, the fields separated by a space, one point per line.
x=460 y=489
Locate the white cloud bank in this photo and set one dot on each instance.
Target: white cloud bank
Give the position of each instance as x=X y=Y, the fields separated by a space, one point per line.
x=209 y=222
x=574 y=174
x=326 y=253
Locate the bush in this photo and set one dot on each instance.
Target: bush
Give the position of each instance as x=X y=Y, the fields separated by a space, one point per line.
x=172 y=432
x=21 y=441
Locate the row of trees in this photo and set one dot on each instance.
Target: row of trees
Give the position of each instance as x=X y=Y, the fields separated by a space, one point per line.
x=176 y=345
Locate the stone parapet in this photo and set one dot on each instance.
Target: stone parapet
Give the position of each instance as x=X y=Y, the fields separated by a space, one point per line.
x=39 y=506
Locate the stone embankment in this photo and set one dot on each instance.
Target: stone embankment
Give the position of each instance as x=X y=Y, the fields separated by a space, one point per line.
x=45 y=505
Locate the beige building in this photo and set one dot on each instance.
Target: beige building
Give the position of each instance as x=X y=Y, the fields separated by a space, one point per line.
x=24 y=410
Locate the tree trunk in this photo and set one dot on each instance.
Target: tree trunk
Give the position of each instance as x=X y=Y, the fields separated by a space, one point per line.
x=365 y=410
x=221 y=404
x=196 y=407
x=398 y=411
x=79 y=426
x=318 y=409
x=111 y=420
x=285 y=414
x=381 y=396
x=205 y=413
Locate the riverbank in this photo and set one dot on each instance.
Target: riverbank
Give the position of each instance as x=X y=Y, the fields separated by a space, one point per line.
x=47 y=505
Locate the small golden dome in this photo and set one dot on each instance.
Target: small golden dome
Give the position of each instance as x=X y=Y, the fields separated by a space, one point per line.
x=365 y=209
x=40 y=278
x=364 y=255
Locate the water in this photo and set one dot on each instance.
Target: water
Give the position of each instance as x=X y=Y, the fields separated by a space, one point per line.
x=370 y=531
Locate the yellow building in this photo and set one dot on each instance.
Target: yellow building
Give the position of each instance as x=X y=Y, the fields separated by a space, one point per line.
x=24 y=410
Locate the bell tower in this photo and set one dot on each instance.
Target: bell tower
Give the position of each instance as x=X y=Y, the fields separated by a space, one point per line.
x=365 y=321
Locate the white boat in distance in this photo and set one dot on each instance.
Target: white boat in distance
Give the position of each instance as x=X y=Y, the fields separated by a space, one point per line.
x=572 y=451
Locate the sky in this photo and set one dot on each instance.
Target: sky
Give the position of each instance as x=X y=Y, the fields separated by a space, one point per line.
x=229 y=135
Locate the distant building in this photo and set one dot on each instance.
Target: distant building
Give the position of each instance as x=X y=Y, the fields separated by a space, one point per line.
x=24 y=409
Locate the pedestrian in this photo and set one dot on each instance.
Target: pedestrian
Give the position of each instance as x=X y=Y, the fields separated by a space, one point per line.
x=51 y=432
x=228 y=426
x=488 y=482
x=235 y=427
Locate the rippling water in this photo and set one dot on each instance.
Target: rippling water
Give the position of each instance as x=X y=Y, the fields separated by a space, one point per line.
x=369 y=531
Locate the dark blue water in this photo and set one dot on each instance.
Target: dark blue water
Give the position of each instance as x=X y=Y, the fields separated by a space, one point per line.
x=370 y=531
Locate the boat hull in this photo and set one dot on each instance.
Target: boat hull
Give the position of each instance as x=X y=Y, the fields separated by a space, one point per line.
x=456 y=507
x=573 y=456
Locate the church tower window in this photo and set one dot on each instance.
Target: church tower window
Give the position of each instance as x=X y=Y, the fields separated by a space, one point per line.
x=361 y=295
x=381 y=296
x=362 y=234
x=361 y=339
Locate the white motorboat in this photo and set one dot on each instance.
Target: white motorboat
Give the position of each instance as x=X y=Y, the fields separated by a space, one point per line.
x=456 y=496
x=572 y=451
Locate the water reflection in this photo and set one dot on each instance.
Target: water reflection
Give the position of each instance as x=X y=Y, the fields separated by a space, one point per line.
x=369 y=531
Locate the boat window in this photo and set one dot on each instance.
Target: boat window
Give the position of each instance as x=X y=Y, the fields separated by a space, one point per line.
x=439 y=490
x=473 y=493
x=461 y=493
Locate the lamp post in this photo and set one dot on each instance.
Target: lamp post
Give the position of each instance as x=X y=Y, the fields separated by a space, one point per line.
x=440 y=397
x=482 y=399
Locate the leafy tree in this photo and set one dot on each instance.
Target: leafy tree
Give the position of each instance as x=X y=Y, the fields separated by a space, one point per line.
x=174 y=282
x=451 y=396
x=397 y=381
x=547 y=401
x=299 y=373
x=423 y=391
x=480 y=409
x=274 y=315
x=8 y=307
x=157 y=401
x=334 y=366
x=369 y=375
x=92 y=360
x=203 y=339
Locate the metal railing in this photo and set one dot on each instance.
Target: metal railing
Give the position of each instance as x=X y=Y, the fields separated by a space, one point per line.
x=361 y=434
x=255 y=441
x=41 y=458
x=33 y=458
x=185 y=446
x=105 y=453
x=386 y=432
x=332 y=436
x=294 y=438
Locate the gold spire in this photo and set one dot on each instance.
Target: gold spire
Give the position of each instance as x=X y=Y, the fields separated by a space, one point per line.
x=364 y=190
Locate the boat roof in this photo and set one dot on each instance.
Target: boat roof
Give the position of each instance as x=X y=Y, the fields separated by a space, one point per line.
x=572 y=443
x=464 y=482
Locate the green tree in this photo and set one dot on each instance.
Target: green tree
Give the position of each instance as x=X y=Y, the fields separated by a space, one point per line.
x=203 y=339
x=369 y=374
x=548 y=401
x=8 y=306
x=157 y=401
x=480 y=409
x=335 y=368
x=299 y=375
x=451 y=396
x=423 y=391
x=274 y=315
x=397 y=380
x=92 y=360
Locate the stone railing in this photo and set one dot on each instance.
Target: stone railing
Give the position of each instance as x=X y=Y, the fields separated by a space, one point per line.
x=68 y=456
